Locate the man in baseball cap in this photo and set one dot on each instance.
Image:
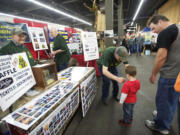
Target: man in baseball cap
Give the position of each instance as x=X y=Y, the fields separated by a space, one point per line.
x=16 y=45
x=107 y=63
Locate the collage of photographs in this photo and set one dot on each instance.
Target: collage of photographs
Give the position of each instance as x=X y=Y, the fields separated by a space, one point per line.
x=34 y=110
x=88 y=92
x=38 y=38
x=56 y=120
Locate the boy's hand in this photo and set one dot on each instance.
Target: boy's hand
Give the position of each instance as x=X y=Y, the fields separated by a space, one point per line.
x=120 y=104
x=120 y=79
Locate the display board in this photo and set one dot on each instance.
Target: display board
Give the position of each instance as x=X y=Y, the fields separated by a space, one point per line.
x=75 y=45
x=27 y=115
x=109 y=33
x=90 y=46
x=88 y=91
x=6 y=31
x=16 y=78
x=55 y=121
x=38 y=38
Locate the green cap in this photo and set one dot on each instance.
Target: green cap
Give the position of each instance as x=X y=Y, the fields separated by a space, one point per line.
x=18 y=31
x=121 y=51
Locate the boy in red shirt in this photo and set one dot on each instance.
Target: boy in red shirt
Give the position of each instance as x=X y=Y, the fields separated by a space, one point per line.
x=128 y=95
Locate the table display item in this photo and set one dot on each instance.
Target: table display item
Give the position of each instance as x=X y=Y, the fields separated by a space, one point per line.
x=45 y=74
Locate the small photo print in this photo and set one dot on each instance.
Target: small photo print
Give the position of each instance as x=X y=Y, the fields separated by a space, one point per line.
x=41 y=34
x=35 y=40
x=36 y=45
x=34 y=34
x=42 y=40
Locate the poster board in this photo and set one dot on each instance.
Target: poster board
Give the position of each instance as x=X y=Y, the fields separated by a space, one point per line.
x=90 y=46
x=38 y=38
x=88 y=92
x=6 y=31
x=16 y=78
x=30 y=113
x=56 y=120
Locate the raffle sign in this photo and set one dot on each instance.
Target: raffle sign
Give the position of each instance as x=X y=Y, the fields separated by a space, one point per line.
x=16 y=78
x=88 y=92
x=90 y=46
x=38 y=38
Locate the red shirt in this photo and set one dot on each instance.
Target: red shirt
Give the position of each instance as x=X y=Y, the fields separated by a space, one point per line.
x=131 y=88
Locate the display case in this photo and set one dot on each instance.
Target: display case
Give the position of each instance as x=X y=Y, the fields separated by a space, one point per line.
x=45 y=75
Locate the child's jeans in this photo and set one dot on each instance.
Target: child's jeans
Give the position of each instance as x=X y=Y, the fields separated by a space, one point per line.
x=128 y=112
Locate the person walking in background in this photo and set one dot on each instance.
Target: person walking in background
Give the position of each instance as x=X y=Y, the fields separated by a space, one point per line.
x=167 y=62
x=128 y=95
x=131 y=43
x=139 y=44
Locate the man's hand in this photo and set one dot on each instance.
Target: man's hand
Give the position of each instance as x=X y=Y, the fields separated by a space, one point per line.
x=152 y=78
x=126 y=65
x=120 y=79
x=53 y=54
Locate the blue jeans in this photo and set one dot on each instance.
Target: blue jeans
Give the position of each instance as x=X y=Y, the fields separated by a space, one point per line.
x=138 y=49
x=131 y=48
x=128 y=112
x=62 y=67
x=106 y=84
x=166 y=103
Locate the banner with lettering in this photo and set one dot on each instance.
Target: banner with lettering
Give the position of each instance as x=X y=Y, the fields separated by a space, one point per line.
x=6 y=31
x=16 y=78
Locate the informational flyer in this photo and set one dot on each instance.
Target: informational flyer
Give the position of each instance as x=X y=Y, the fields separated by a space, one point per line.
x=88 y=92
x=56 y=120
x=16 y=78
x=38 y=38
x=27 y=115
x=90 y=46
x=109 y=33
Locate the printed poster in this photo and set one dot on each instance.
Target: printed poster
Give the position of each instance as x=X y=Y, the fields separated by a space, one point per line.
x=38 y=38
x=16 y=78
x=88 y=92
x=90 y=46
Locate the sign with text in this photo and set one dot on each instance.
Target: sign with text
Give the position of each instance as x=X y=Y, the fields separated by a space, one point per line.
x=90 y=46
x=16 y=78
x=6 y=31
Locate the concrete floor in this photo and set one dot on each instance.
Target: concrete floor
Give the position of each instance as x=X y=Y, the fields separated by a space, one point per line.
x=103 y=120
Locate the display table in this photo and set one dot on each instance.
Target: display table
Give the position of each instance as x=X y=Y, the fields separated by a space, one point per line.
x=50 y=111
x=86 y=77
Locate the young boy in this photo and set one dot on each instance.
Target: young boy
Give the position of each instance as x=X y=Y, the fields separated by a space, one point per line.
x=128 y=95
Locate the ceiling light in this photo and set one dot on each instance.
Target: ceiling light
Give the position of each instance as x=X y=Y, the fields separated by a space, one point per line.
x=139 y=7
x=59 y=11
x=28 y=19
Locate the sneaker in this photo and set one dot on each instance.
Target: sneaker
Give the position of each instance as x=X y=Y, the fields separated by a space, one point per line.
x=154 y=113
x=122 y=123
x=115 y=98
x=151 y=126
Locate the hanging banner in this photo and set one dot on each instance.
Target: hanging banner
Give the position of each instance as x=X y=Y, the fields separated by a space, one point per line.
x=90 y=46
x=6 y=31
x=38 y=38
x=16 y=78
x=88 y=92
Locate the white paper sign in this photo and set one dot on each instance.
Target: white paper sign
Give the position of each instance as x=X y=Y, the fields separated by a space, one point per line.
x=38 y=38
x=16 y=78
x=90 y=46
x=109 y=33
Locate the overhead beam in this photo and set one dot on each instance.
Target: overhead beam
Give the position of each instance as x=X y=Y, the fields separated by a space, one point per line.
x=69 y=1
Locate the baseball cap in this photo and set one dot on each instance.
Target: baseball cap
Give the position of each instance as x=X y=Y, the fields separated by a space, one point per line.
x=121 y=52
x=18 y=31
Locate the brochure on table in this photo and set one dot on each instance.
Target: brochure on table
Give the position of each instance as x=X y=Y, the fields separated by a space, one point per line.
x=88 y=92
x=16 y=78
x=38 y=38
x=74 y=74
x=90 y=46
x=27 y=115
x=56 y=120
